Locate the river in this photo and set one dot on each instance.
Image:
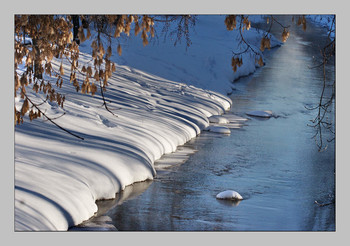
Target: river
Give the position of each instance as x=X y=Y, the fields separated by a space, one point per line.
x=273 y=163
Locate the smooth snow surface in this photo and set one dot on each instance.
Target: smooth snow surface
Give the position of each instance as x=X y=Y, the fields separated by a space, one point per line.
x=219 y=129
x=218 y=119
x=264 y=114
x=229 y=195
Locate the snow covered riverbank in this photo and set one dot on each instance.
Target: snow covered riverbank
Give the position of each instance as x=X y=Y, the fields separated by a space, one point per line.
x=206 y=63
x=58 y=177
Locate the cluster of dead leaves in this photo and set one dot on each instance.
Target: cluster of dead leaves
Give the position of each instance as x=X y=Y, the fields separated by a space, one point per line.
x=265 y=43
x=302 y=22
x=246 y=24
x=285 y=35
x=231 y=22
x=52 y=38
x=236 y=62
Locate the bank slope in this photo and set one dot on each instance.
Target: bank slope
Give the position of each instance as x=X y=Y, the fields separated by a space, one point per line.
x=58 y=177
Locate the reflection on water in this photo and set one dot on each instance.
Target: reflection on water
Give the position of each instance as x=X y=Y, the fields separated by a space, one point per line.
x=229 y=203
x=273 y=163
x=102 y=221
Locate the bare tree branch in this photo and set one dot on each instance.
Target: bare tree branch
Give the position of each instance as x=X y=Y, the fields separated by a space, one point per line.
x=52 y=120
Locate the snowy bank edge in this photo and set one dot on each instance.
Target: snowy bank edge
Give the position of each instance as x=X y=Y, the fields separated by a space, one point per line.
x=58 y=208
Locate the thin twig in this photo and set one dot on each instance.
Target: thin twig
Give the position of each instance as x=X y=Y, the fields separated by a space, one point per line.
x=249 y=47
x=324 y=204
x=167 y=20
x=51 y=120
x=323 y=107
x=279 y=23
x=104 y=100
x=102 y=87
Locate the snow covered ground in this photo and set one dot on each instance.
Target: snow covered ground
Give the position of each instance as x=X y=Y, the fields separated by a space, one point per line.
x=324 y=21
x=205 y=64
x=162 y=96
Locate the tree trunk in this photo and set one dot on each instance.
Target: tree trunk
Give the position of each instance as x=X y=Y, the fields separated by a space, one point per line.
x=38 y=69
x=76 y=26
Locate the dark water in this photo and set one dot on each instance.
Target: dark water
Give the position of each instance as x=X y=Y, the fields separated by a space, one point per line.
x=274 y=163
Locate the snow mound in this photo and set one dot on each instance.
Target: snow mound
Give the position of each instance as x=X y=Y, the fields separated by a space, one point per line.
x=218 y=129
x=218 y=119
x=229 y=195
x=263 y=114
